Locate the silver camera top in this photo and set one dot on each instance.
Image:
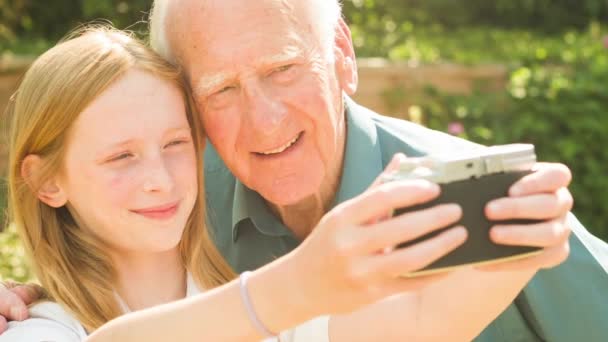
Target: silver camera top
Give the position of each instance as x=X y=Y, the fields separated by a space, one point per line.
x=443 y=169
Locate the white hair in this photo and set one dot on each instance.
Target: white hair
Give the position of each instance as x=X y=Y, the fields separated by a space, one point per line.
x=158 y=33
x=328 y=13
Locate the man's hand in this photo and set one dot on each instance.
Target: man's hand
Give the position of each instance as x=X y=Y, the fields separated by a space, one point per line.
x=14 y=299
x=542 y=195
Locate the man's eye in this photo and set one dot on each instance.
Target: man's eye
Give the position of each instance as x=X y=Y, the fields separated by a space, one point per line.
x=283 y=68
x=225 y=89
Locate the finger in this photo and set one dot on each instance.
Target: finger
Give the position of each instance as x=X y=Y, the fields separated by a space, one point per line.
x=543 y=234
x=29 y=293
x=12 y=306
x=548 y=178
x=8 y=284
x=409 y=226
x=539 y=207
x=384 y=197
x=393 y=166
x=3 y=325
x=405 y=260
x=548 y=258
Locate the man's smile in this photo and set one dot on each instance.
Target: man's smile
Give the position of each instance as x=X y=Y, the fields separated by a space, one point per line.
x=281 y=148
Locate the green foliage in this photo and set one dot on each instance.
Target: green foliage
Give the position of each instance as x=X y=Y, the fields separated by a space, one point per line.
x=539 y=15
x=557 y=54
x=471 y=44
x=41 y=23
x=12 y=258
x=561 y=108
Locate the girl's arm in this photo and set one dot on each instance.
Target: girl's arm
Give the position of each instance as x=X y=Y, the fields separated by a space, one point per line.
x=337 y=269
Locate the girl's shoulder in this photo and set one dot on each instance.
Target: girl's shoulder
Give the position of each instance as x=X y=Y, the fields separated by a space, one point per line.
x=48 y=322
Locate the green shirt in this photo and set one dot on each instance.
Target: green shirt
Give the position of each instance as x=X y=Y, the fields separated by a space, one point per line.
x=566 y=303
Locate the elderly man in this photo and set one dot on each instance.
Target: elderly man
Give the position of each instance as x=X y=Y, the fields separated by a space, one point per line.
x=271 y=79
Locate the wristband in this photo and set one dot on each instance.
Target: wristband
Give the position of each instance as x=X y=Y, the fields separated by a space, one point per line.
x=253 y=317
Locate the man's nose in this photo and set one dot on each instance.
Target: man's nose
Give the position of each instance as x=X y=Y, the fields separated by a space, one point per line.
x=265 y=111
x=157 y=176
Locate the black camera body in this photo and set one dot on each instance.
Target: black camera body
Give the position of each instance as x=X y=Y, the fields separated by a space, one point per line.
x=471 y=180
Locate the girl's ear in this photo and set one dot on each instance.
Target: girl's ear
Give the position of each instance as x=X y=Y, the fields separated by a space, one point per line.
x=48 y=191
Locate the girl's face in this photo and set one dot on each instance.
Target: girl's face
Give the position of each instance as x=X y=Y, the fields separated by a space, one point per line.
x=130 y=173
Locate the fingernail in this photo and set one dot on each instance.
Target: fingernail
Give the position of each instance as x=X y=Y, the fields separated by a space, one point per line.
x=395 y=159
x=17 y=314
x=452 y=209
x=456 y=209
x=516 y=190
x=461 y=231
x=493 y=208
x=458 y=234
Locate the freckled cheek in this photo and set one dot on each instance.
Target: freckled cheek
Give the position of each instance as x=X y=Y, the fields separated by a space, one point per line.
x=121 y=187
x=183 y=169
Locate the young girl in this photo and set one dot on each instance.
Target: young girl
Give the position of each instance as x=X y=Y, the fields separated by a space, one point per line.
x=105 y=188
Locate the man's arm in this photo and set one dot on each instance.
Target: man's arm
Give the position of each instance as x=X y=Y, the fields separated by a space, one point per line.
x=570 y=302
x=457 y=308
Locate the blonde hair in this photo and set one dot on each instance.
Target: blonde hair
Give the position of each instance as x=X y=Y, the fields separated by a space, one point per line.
x=328 y=13
x=69 y=260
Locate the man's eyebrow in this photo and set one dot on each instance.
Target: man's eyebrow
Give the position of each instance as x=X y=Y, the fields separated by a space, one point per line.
x=208 y=82
x=288 y=53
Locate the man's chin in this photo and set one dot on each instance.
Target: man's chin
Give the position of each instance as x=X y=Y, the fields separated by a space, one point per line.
x=287 y=199
x=286 y=196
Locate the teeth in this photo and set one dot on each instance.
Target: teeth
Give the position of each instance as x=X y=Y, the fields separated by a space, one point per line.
x=282 y=148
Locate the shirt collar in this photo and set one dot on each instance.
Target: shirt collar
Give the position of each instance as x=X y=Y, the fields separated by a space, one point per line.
x=249 y=205
x=362 y=164
x=191 y=288
x=362 y=155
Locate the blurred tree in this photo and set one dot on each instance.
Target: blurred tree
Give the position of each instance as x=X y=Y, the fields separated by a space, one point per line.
x=52 y=20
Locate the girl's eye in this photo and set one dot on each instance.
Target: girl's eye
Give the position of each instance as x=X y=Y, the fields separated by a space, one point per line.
x=121 y=156
x=178 y=142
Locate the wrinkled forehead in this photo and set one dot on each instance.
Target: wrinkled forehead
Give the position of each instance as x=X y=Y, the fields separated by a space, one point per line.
x=211 y=30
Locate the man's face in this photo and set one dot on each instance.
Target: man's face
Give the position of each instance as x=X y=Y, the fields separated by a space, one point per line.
x=269 y=96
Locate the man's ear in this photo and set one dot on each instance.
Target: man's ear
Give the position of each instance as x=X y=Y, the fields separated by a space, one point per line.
x=346 y=64
x=48 y=191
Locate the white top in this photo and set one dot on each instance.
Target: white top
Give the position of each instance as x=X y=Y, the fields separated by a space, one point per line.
x=50 y=322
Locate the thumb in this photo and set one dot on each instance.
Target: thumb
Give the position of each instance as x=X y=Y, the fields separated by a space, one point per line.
x=393 y=166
